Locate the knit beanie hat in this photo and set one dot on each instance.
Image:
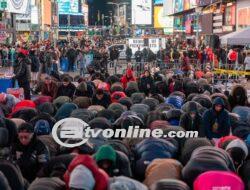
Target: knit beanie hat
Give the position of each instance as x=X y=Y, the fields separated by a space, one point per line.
x=82 y=178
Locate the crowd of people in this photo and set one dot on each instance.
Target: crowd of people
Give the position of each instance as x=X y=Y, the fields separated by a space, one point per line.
x=155 y=99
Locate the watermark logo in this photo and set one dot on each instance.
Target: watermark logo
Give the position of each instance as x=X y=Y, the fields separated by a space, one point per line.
x=69 y=128
x=80 y=132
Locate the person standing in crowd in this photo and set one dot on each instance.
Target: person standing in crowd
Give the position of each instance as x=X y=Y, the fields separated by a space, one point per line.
x=71 y=55
x=128 y=54
x=216 y=120
x=138 y=59
x=81 y=62
x=232 y=58
x=35 y=66
x=185 y=63
x=66 y=88
x=146 y=83
x=160 y=57
x=22 y=73
x=114 y=56
x=29 y=152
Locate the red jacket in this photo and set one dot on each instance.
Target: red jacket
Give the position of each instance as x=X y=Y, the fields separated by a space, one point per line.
x=116 y=96
x=232 y=56
x=125 y=79
x=101 y=178
x=23 y=104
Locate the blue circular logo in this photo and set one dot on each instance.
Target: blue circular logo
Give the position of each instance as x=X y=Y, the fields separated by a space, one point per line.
x=17 y=4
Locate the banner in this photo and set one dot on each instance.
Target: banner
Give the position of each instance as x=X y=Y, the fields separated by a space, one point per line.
x=68 y=7
x=178 y=6
x=17 y=6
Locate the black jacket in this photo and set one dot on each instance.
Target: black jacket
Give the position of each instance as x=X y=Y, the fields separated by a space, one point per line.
x=105 y=101
x=31 y=158
x=35 y=63
x=21 y=72
x=138 y=56
x=114 y=54
x=66 y=90
x=190 y=124
x=147 y=85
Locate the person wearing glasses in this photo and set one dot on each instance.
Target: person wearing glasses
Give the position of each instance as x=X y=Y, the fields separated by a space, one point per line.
x=29 y=152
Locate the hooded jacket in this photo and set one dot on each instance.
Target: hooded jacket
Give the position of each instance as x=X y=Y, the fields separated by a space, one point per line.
x=189 y=123
x=157 y=170
x=31 y=158
x=120 y=163
x=216 y=124
x=101 y=178
x=65 y=110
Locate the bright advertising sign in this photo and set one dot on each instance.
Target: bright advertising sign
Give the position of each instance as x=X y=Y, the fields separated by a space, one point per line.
x=142 y=12
x=68 y=6
x=161 y=21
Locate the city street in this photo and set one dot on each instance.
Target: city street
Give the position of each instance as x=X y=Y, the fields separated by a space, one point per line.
x=124 y=94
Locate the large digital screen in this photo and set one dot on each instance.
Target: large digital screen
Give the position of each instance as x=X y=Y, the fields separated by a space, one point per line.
x=160 y=20
x=158 y=2
x=178 y=6
x=142 y=12
x=68 y=7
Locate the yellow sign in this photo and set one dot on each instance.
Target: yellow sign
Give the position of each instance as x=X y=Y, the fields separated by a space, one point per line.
x=230 y=72
x=160 y=20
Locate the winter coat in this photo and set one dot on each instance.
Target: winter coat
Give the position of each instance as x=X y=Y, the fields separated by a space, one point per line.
x=12 y=174
x=120 y=162
x=58 y=102
x=190 y=145
x=84 y=89
x=65 y=110
x=105 y=101
x=170 y=184
x=21 y=72
x=114 y=54
x=125 y=80
x=33 y=156
x=238 y=96
x=122 y=182
x=204 y=159
x=49 y=90
x=150 y=149
x=189 y=123
x=62 y=160
x=101 y=178
x=35 y=63
x=156 y=170
x=216 y=125
x=147 y=85
x=47 y=183
x=66 y=90
x=138 y=56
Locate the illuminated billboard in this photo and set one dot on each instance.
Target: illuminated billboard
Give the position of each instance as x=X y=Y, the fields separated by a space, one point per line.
x=142 y=12
x=158 y=2
x=68 y=7
x=178 y=6
x=161 y=21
